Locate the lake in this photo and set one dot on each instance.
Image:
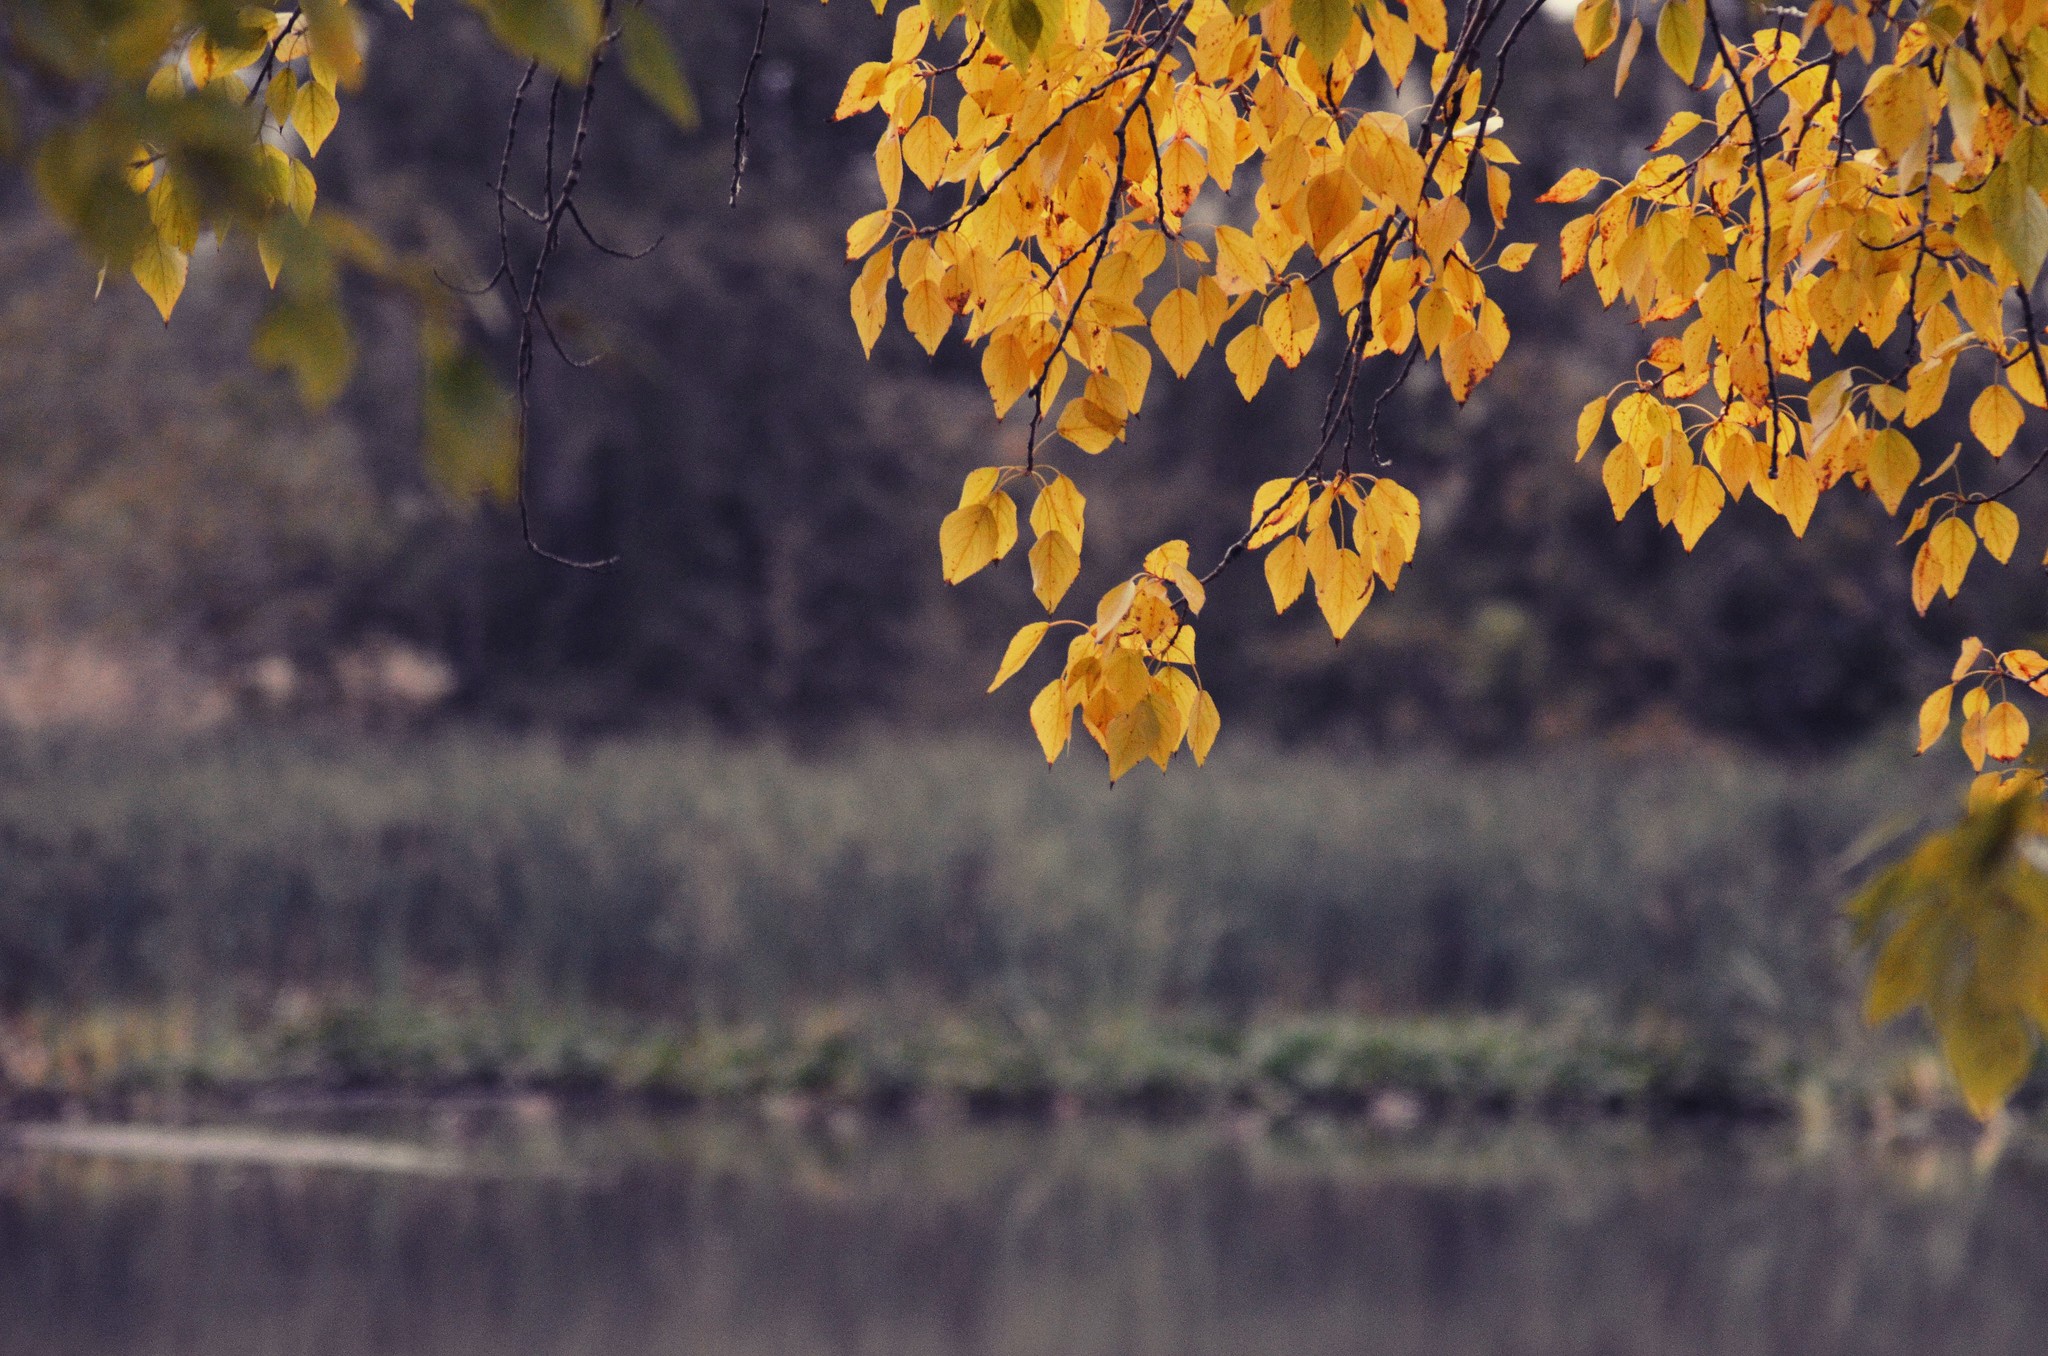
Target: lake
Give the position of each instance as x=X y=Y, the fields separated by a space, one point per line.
x=518 y=1230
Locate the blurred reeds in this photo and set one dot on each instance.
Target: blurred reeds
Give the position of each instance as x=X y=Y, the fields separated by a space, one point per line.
x=896 y=914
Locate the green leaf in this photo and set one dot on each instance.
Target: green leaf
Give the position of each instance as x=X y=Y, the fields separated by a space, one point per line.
x=1324 y=25
x=560 y=34
x=651 y=66
x=1680 y=31
x=470 y=424
x=1016 y=27
x=308 y=336
x=2019 y=220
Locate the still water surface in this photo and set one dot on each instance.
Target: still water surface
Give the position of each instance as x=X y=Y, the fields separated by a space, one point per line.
x=528 y=1235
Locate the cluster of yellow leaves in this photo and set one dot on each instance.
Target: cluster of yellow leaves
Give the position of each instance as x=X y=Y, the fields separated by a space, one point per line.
x=1310 y=539
x=983 y=528
x=1067 y=218
x=302 y=59
x=1997 y=731
x=1131 y=674
x=1872 y=178
x=1961 y=929
x=1772 y=233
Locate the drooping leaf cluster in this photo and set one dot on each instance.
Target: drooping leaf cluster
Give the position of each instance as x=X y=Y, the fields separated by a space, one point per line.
x=159 y=128
x=1839 y=235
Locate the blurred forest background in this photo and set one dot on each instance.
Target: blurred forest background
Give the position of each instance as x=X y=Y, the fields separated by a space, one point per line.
x=175 y=531
x=421 y=763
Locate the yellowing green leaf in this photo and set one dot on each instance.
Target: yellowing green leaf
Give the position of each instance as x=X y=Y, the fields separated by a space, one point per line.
x=1016 y=27
x=1681 y=29
x=560 y=34
x=1595 y=22
x=470 y=424
x=651 y=65
x=315 y=111
x=1324 y=25
x=309 y=337
x=160 y=268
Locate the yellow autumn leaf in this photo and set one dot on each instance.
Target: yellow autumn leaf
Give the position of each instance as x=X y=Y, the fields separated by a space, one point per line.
x=1249 y=356
x=1055 y=564
x=1926 y=577
x=1286 y=572
x=1595 y=23
x=967 y=541
x=1203 y=727
x=1700 y=498
x=1061 y=507
x=1590 y=417
x=926 y=315
x=1277 y=506
x=1892 y=465
x=1999 y=527
x=1343 y=590
x=1179 y=330
x=1622 y=474
x=1052 y=719
x=2005 y=732
x=866 y=233
x=1516 y=257
x=1575 y=185
x=1132 y=737
x=1934 y=715
x=925 y=148
x=1953 y=543
x=871 y=299
x=1995 y=418
x=1021 y=647
x=1796 y=490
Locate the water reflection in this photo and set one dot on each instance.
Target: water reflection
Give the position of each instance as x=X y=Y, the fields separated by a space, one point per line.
x=632 y=1236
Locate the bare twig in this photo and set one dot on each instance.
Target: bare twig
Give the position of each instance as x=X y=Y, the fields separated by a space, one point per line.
x=739 y=121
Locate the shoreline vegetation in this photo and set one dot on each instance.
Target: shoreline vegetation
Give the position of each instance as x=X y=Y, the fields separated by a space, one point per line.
x=1394 y=1074
x=938 y=925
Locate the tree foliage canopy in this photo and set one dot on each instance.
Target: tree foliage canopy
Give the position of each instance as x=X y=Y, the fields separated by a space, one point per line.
x=1837 y=236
